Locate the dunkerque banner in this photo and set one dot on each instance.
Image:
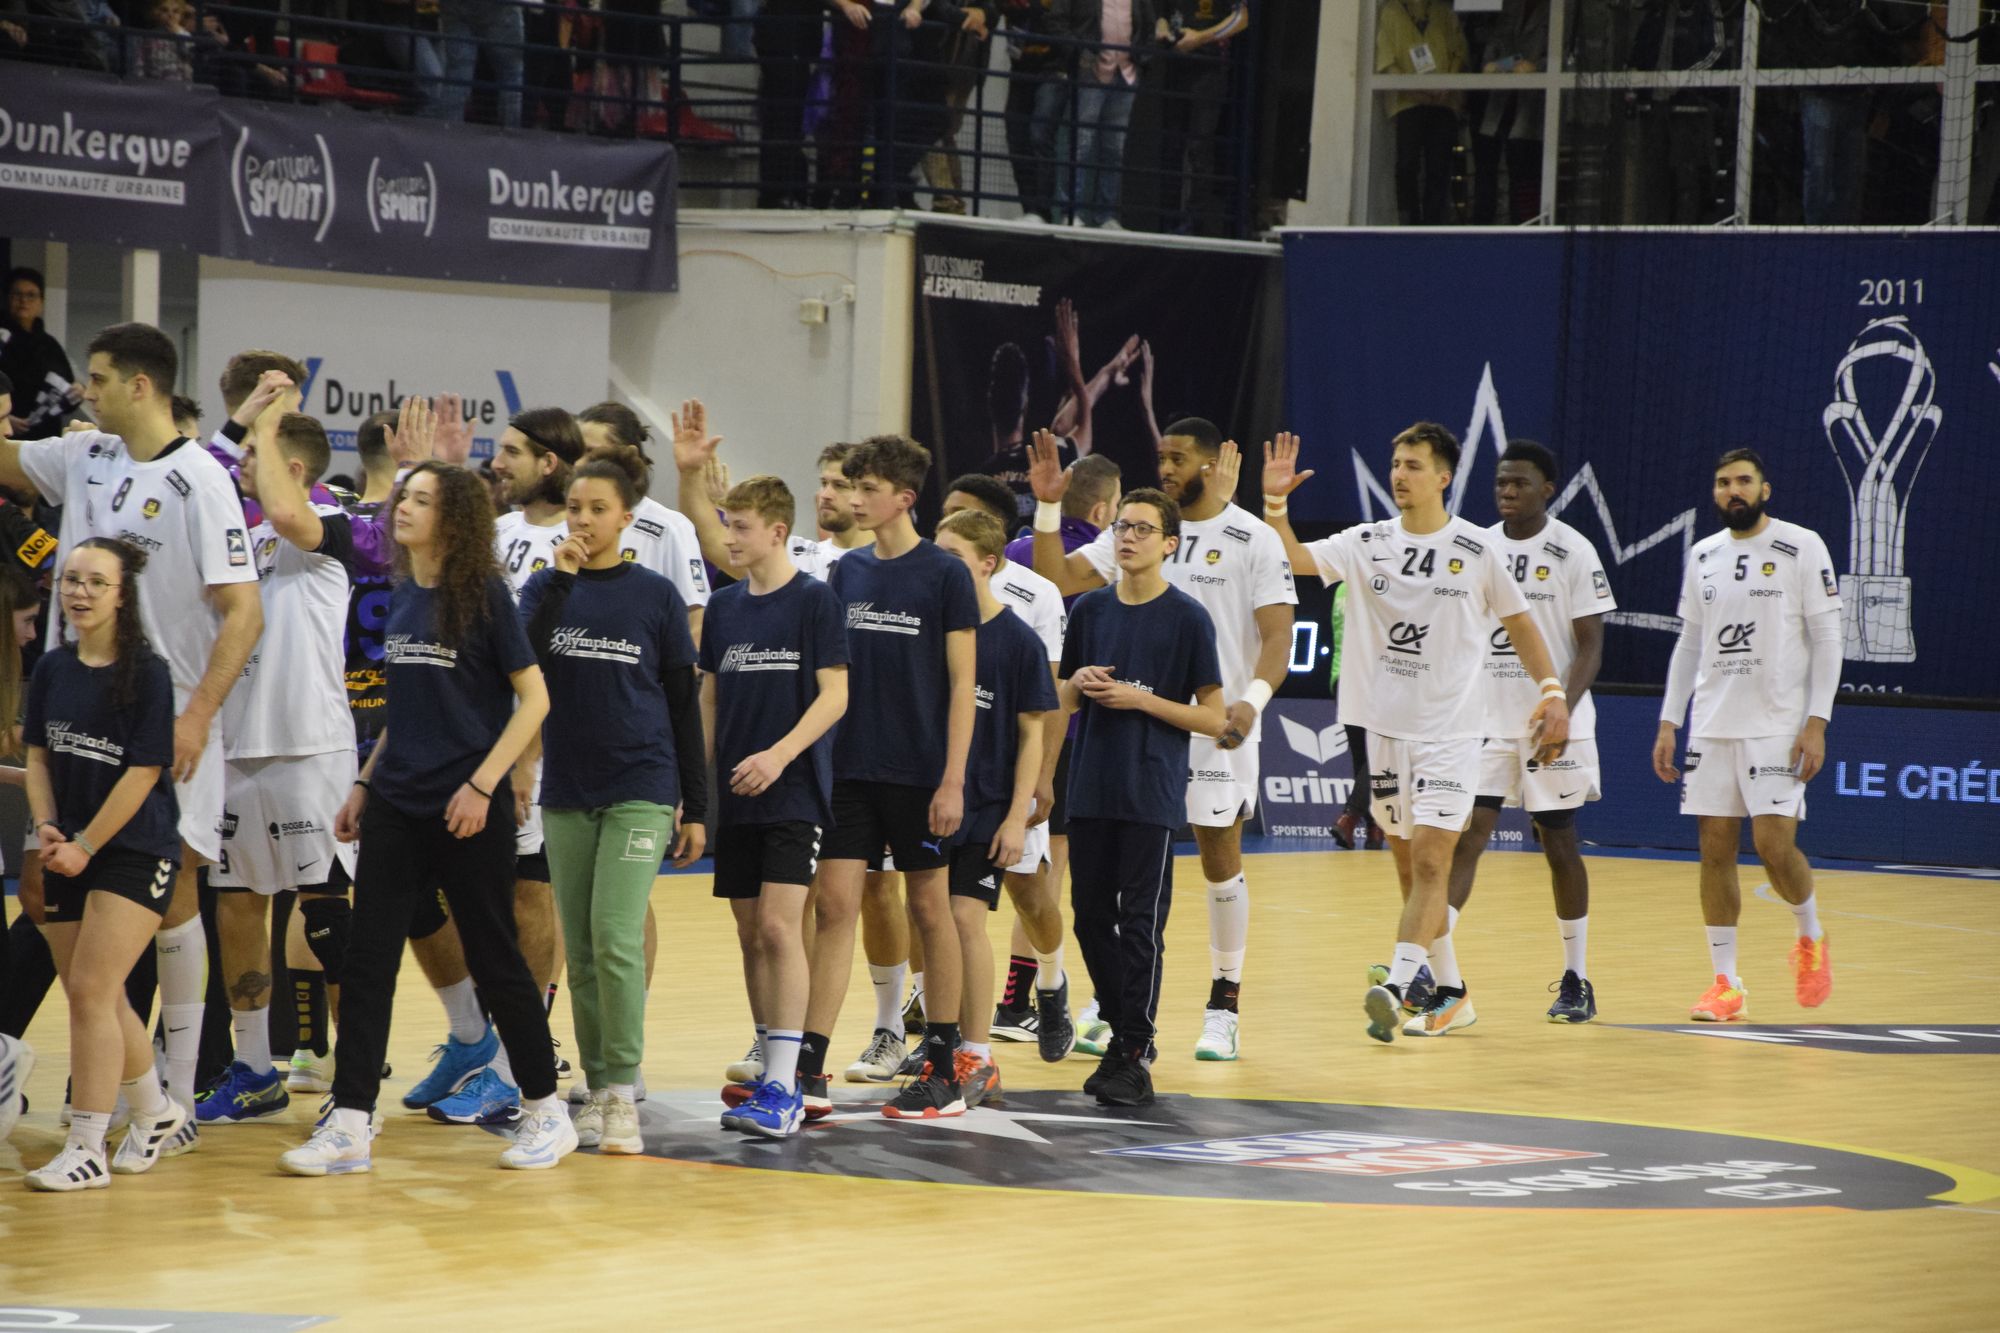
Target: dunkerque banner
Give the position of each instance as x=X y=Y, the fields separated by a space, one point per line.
x=161 y=165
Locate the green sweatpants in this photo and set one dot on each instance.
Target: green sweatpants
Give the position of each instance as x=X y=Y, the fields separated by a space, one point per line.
x=602 y=863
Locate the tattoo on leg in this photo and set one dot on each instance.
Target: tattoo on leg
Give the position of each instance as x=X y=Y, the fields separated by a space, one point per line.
x=251 y=989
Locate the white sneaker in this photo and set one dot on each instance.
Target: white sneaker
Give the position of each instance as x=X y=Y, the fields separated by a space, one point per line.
x=17 y=1061
x=310 y=1073
x=185 y=1139
x=331 y=1151
x=1218 y=1036
x=621 y=1127
x=544 y=1138
x=878 y=1064
x=589 y=1122
x=750 y=1069
x=74 y=1168
x=147 y=1141
x=580 y=1093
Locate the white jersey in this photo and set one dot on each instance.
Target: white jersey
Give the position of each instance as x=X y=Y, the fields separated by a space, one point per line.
x=525 y=549
x=664 y=541
x=1035 y=600
x=291 y=700
x=181 y=508
x=816 y=558
x=1558 y=572
x=1746 y=603
x=1232 y=564
x=1420 y=611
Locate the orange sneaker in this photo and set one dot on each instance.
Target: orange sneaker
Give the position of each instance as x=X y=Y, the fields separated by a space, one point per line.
x=978 y=1080
x=1812 y=970
x=1722 y=1003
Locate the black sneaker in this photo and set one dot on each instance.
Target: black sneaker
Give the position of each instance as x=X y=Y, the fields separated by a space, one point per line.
x=1130 y=1084
x=926 y=1097
x=1107 y=1065
x=913 y=1015
x=913 y=1063
x=1576 y=1000
x=1055 y=1031
x=816 y=1093
x=1014 y=1024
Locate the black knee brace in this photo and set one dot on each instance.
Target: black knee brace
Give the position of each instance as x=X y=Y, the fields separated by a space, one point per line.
x=1553 y=819
x=327 y=923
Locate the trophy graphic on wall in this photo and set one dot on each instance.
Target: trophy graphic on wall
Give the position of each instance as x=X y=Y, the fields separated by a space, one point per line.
x=1880 y=423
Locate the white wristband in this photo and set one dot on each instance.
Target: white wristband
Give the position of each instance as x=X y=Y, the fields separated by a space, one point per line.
x=1258 y=695
x=1277 y=504
x=1048 y=516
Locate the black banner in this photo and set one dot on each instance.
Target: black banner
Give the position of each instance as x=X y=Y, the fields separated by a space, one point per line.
x=167 y=166
x=1161 y=332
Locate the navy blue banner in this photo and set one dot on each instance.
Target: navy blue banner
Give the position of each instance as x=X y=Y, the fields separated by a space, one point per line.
x=1866 y=370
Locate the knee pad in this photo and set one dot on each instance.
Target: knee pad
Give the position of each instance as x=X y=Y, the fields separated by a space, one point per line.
x=328 y=921
x=1553 y=819
x=1490 y=803
x=430 y=915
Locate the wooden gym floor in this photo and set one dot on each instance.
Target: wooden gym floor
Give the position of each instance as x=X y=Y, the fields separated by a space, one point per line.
x=1018 y=1218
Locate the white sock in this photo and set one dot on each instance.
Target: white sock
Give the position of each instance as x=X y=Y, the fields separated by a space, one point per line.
x=182 y=952
x=183 y=1026
x=1228 y=927
x=781 y=1057
x=1807 y=913
x=1576 y=936
x=762 y=1032
x=1403 y=969
x=253 y=1037
x=1049 y=970
x=461 y=1010
x=503 y=1066
x=979 y=1048
x=89 y=1128
x=353 y=1121
x=1444 y=955
x=622 y=1092
x=889 y=995
x=1722 y=953
x=144 y=1094
x=543 y=1106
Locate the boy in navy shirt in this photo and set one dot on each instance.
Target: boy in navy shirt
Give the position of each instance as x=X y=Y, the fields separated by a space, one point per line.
x=899 y=759
x=1136 y=652
x=1013 y=700
x=774 y=683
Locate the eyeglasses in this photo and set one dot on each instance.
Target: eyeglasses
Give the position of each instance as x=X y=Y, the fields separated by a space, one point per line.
x=1139 y=530
x=88 y=587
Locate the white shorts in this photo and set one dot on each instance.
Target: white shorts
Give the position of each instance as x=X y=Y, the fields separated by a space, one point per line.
x=1421 y=782
x=277 y=826
x=1034 y=850
x=1222 y=784
x=1731 y=779
x=1507 y=769
x=202 y=799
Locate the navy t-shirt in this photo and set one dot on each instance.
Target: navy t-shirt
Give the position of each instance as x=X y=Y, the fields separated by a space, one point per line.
x=90 y=744
x=447 y=705
x=1012 y=678
x=1126 y=764
x=765 y=653
x=899 y=688
x=608 y=737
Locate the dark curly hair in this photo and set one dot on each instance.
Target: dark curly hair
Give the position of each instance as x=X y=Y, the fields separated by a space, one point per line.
x=465 y=547
x=129 y=631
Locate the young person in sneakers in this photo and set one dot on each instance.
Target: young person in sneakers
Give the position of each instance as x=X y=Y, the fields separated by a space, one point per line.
x=898 y=760
x=100 y=735
x=1563 y=580
x=622 y=750
x=1038 y=920
x=436 y=808
x=290 y=748
x=1759 y=654
x=774 y=684
x=1235 y=567
x=1423 y=592
x=1014 y=698
x=1139 y=667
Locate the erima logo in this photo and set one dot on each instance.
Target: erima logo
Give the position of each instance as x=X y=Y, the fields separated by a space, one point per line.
x=1735 y=638
x=1319 y=746
x=1407 y=638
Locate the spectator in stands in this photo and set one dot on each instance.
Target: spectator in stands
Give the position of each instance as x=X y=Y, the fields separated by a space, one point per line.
x=46 y=393
x=872 y=104
x=403 y=36
x=1678 y=126
x=1833 y=120
x=1422 y=37
x=1195 y=90
x=960 y=46
x=788 y=37
x=54 y=32
x=1090 y=179
x=1511 y=127
x=163 y=46
x=472 y=29
x=1037 y=94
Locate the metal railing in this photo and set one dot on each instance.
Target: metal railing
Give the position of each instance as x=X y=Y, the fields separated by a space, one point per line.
x=794 y=107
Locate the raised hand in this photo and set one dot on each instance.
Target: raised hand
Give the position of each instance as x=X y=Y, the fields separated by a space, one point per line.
x=1281 y=464
x=413 y=437
x=715 y=477
x=1045 y=470
x=451 y=438
x=1228 y=469
x=693 y=445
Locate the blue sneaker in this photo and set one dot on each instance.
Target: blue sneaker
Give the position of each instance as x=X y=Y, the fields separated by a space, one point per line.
x=457 y=1061
x=241 y=1094
x=1417 y=995
x=773 y=1112
x=484 y=1100
x=733 y=1109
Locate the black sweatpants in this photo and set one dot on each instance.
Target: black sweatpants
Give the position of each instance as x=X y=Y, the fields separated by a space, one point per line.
x=404 y=858
x=1121 y=889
